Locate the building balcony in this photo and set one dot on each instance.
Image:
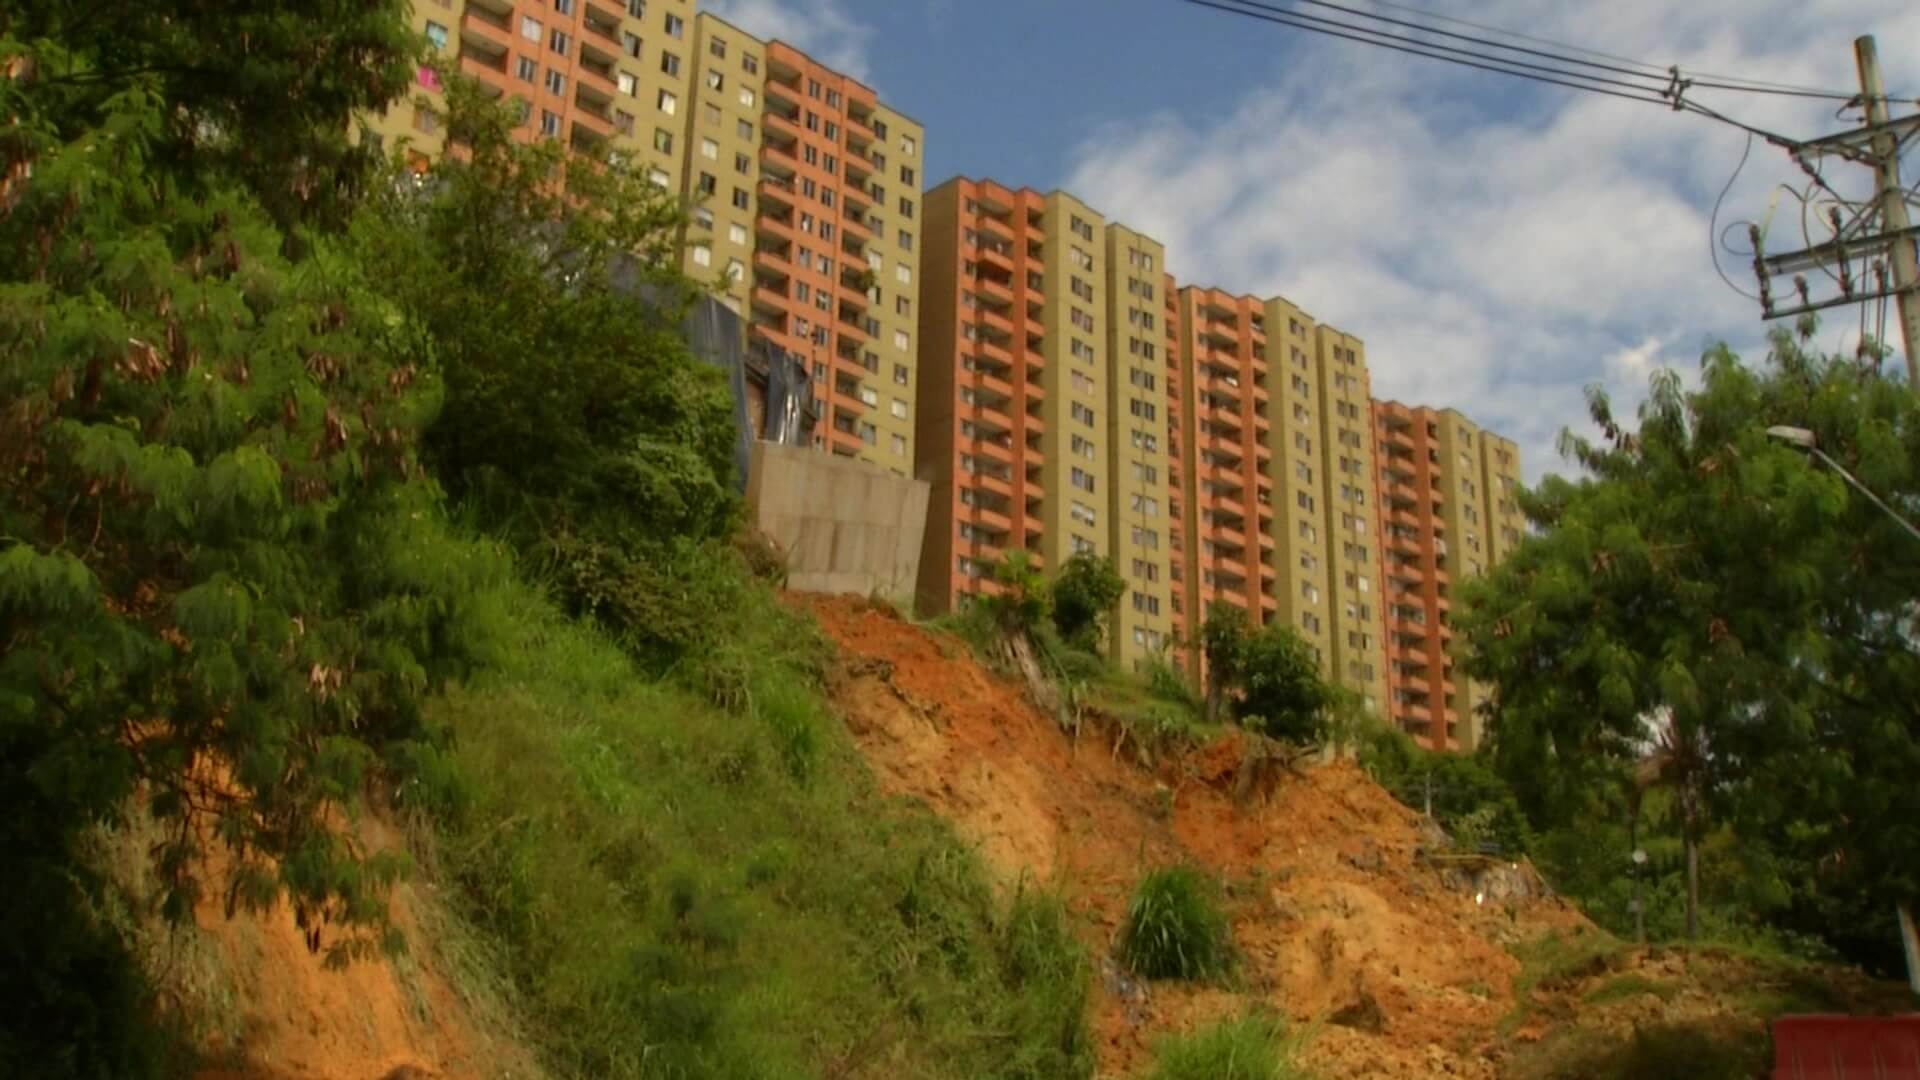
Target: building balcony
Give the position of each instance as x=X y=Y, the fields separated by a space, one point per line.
x=775 y=193
x=490 y=30
x=778 y=127
x=993 y=255
x=778 y=161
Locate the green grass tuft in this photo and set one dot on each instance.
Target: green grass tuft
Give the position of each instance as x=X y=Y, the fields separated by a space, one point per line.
x=1254 y=1046
x=1175 y=929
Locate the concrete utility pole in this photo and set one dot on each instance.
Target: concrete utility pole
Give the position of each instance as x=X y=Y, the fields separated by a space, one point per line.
x=1893 y=201
x=1871 y=254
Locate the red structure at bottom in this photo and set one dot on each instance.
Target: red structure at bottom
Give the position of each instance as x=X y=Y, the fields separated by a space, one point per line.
x=1846 y=1048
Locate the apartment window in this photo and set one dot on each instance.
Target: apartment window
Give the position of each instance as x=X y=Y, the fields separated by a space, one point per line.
x=907 y=145
x=737 y=233
x=1082 y=382
x=709 y=149
x=675 y=25
x=556 y=83
x=901 y=374
x=663 y=142
x=703 y=217
x=1142 y=409
x=749 y=63
x=559 y=42
x=1146 y=538
x=1145 y=473
x=906 y=240
x=833 y=130
x=549 y=123
x=715 y=80
x=702 y=255
x=1081 y=350
x=1082 y=479
x=741 y=199
x=906 y=207
x=736 y=269
x=630 y=41
x=710 y=114
x=668 y=103
x=1143 y=379
x=1083 y=414
x=742 y=164
x=899 y=408
x=531 y=29
x=623 y=121
x=436 y=34
x=526 y=69
x=1083 y=447
x=1146 y=504
x=747 y=97
x=669 y=64
x=901 y=341
x=1082 y=513
x=1146 y=570
x=903 y=273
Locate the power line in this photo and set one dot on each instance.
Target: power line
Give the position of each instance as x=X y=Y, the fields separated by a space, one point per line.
x=1663 y=78
x=1714 y=239
x=1493 y=64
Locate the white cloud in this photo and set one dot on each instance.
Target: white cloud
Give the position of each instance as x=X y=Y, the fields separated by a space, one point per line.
x=820 y=28
x=1498 y=254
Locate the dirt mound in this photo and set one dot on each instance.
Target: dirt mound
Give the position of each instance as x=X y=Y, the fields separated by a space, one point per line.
x=267 y=1008
x=1336 y=910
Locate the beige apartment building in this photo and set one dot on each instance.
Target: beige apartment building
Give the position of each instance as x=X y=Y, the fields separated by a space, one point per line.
x=1448 y=512
x=803 y=188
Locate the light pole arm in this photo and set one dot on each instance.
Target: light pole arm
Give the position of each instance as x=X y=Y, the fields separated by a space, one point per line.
x=1862 y=489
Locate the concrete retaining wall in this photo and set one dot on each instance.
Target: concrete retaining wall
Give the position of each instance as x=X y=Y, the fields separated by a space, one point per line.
x=846 y=526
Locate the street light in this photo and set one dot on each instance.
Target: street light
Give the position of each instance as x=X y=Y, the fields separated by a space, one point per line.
x=1805 y=440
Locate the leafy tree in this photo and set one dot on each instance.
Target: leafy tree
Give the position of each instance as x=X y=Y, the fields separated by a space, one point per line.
x=223 y=585
x=1026 y=600
x=1223 y=645
x=1715 y=615
x=1282 y=695
x=576 y=418
x=259 y=95
x=1084 y=591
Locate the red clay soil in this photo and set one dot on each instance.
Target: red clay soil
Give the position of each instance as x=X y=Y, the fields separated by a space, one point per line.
x=1329 y=906
x=294 y=1019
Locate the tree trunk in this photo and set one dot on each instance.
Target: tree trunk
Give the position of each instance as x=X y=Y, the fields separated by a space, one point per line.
x=1214 y=694
x=1693 y=884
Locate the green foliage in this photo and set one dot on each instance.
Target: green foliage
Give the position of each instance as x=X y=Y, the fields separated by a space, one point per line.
x=1716 y=616
x=674 y=898
x=1175 y=929
x=1252 y=1046
x=1267 y=679
x=577 y=423
x=1630 y=985
x=1282 y=695
x=262 y=97
x=222 y=578
x=1169 y=683
x=1468 y=798
x=1085 y=590
x=1025 y=601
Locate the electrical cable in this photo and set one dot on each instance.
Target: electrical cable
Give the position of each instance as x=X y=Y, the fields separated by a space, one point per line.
x=1757 y=85
x=1660 y=80
x=1713 y=222
x=1649 y=96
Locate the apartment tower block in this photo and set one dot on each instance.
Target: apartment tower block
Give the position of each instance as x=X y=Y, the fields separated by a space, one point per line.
x=1448 y=511
x=803 y=188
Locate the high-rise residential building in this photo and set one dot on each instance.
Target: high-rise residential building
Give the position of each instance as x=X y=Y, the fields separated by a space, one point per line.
x=803 y=188
x=836 y=274
x=1448 y=511
x=1010 y=389
x=1275 y=488
x=1140 y=367
x=605 y=77
x=1228 y=552
x=1352 y=544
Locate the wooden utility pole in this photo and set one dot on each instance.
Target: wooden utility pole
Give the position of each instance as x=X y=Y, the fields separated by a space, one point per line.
x=1893 y=201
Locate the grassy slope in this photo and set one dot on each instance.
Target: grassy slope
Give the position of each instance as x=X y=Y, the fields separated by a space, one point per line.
x=684 y=891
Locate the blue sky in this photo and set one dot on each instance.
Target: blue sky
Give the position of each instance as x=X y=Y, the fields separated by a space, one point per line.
x=1500 y=245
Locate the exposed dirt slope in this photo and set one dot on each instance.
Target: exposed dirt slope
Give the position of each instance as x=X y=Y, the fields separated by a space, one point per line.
x=1329 y=905
x=269 y=1010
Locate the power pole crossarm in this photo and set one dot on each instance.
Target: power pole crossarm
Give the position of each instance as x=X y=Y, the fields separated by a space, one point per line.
x=1893 y=203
